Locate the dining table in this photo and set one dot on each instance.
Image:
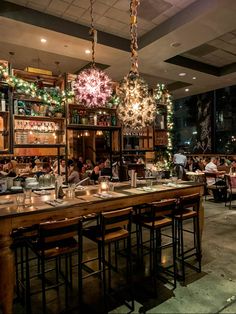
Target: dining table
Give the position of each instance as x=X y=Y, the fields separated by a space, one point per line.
x=88 y=200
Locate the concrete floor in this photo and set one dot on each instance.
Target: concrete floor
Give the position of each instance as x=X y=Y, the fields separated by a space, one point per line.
x=212 y=291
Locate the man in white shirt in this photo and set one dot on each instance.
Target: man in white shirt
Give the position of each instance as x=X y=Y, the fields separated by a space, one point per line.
x=180 y=161
x=211 y=167
x=220 y=192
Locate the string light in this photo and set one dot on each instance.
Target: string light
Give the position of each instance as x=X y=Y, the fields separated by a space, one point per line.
x=93 y=87
x=137 y=107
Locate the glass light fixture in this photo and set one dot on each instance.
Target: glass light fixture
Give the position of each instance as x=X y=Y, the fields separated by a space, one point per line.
x=92 y=87
x=137 y=108
x=99 y=133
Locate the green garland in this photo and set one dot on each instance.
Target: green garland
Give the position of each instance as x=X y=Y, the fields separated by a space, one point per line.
x=162 y=96
x=47 y=95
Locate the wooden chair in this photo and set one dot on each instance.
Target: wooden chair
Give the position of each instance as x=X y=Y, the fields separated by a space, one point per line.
x=114 y=226
x=215 y=187
x=230 y=190
x=188 y=208
x=56 y=240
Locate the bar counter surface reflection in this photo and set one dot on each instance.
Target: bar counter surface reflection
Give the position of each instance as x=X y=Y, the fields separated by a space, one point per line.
x=123 y=196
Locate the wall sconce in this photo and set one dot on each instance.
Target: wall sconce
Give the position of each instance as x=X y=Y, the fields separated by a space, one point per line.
x=99 y=133
x=86 y=133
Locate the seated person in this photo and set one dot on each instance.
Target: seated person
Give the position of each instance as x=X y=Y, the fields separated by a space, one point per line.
x=211 y=167
x=11 y=168
x=37 y=166
x=97 y=171
x=223 y=166
x=45 y=170
x=233 y=167
x=73 y=174
x=106 y=170
x=62 y=168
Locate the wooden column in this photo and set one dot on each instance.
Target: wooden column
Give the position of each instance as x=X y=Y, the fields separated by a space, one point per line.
x=7 y=274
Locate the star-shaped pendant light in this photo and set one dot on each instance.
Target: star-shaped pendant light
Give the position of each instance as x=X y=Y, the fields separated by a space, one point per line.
x=93 y=87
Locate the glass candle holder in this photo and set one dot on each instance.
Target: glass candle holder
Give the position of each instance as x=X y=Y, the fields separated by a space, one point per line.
x=104 y=184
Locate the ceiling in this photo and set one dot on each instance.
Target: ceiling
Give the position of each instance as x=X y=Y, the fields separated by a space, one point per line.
x=195 y=37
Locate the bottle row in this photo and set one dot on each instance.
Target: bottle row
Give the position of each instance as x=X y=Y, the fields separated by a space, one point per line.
x=37 y=126
x=32 y=137
x=101 y=118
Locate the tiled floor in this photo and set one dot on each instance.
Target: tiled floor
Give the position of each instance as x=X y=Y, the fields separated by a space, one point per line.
x=212 y=291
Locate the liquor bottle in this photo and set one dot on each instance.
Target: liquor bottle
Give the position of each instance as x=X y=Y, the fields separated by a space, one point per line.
x=3 y=103
x=113 y=120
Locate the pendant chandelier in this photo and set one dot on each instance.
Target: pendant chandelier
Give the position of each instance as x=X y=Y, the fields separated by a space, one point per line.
x=93 y=87
x=137 y=108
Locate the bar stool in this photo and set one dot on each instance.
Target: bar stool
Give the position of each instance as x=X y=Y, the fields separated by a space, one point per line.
x=56 y=239
x=20 y=237
x=113 y=227
x=158 y=217
x=188 y=208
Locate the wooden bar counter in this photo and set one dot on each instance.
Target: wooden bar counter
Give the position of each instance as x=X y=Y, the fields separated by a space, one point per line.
x=85 y=203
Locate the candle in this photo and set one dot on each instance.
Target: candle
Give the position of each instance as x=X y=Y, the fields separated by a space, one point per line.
x=104 y=186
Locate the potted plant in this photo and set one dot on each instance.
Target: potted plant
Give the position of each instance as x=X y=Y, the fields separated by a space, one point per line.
x=58 y=110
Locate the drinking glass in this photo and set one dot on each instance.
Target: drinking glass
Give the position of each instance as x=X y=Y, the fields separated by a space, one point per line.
x=20 y=199
x=111 y=187
x=71 y=191
x=27 y=194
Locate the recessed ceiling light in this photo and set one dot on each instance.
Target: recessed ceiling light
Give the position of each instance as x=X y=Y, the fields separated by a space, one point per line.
x=182 y=74
x=175 y=44
x=43 y=40
x=87 y=51
x=194 y=78
x=186 y=89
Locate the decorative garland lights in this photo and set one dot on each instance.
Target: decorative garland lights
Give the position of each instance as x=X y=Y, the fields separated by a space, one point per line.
x=93 y=87
x=163 y=97
x=137 y=107
x=47 y=95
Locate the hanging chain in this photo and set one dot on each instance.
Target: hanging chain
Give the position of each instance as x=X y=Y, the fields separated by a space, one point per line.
x=134 y=35
x=92 y=33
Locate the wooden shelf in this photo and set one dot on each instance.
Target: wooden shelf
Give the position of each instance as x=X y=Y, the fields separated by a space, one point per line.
x=39 y=145
x=91 y=127
x=139 y=136
x=44 y=118
x=4 y=113
x=80 y=107
x=138 y=150
x=32 y=77
x=130 y=155
x=22 y=97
